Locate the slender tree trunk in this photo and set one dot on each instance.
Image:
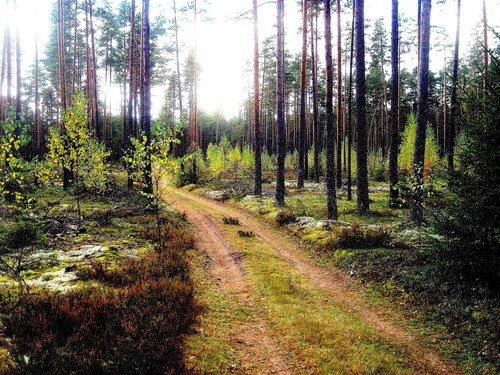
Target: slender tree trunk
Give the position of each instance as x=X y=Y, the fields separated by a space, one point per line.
x=419 y=34
x=330 y=126
x=9 y=68
x=62 y=79
x=146 y=93
x=3 y=104
x=486 y=51
x=177 y=61
x=256 y=106
x=303 y=116
x=362 y=145
x=315 y=103
x=129 y=128
x=75 y=43
x=450 y=149
x=89 y=69
x=95 y=110
x=18 y=75
x=280 y=104
x=384 y=113
x=105 y=116
x=339 y=98
x=394 y=129
x=38 y=123
x=349 y=117
x=416 y=208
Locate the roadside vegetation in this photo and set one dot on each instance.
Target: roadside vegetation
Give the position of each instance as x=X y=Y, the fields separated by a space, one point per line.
x=94 y=278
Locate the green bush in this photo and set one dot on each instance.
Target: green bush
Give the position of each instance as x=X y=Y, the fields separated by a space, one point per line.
x=285 y=217
x=405 y=158
x=356 y=237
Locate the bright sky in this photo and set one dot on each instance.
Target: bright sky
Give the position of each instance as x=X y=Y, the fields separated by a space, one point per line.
x=225 y=45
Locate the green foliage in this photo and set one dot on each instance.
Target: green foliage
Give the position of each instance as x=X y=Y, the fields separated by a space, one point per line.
x=292 y=162
x=15 y=173
x=217 y=157
x=224 y=160
x=17 y=242
x=77 y=151
x=247 y=162
x=268 y=162
x=405 y=158
x=152 y=154
x=472 y=221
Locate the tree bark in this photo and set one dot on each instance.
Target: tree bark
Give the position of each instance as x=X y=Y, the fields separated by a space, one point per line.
x=394 y=129
x=362 y=145
x=486 y=52
x=75 y=56
x=177 y=61
x=95 y=110
x=450 y=149
x=62 y=79
x=315 y=103
x=280 y=104
x=349 y=117
x=146 y=93
x=416 y=208
x=330 y=127
x=303 y=116
x=3 y=104
x=38 y=133
x=256 y=106
x=339 y=98
x=17 y=115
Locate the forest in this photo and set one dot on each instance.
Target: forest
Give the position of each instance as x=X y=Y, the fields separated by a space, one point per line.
x=249 y=187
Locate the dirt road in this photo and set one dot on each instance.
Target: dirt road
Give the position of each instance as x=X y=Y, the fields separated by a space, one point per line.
x=261 y=343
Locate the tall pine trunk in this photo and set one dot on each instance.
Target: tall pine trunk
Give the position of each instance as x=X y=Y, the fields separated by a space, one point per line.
x=394 y=129
x=256 y=106
x=18 y=76
x=315 y=103
x=280 y=104
x=62 y=79
x=416 y=207
x=38 y=129
x=362 y=141
x=146 y=93
x=330 y=127
x=303 y=116
x=129 y=130
x=454 y=101
x=349 y=108
x=339 y=98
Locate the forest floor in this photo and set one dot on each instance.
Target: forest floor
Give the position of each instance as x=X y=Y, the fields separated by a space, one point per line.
x=271 y=309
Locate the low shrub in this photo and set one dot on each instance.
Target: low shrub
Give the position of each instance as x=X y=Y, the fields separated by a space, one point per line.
x=246 y=233
x=173 y=239
x=230 y=220
x=356 y=237
x=137 y=327
x=285 y=217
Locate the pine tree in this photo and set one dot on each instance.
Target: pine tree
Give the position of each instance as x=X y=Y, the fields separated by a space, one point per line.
x=394 y=128
x=280 y=104
x=416 y=208
x=450 y=149
x=256 y=106
x=146 y=92
x=330 y=127
x=303 y=88
x=361 y=131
